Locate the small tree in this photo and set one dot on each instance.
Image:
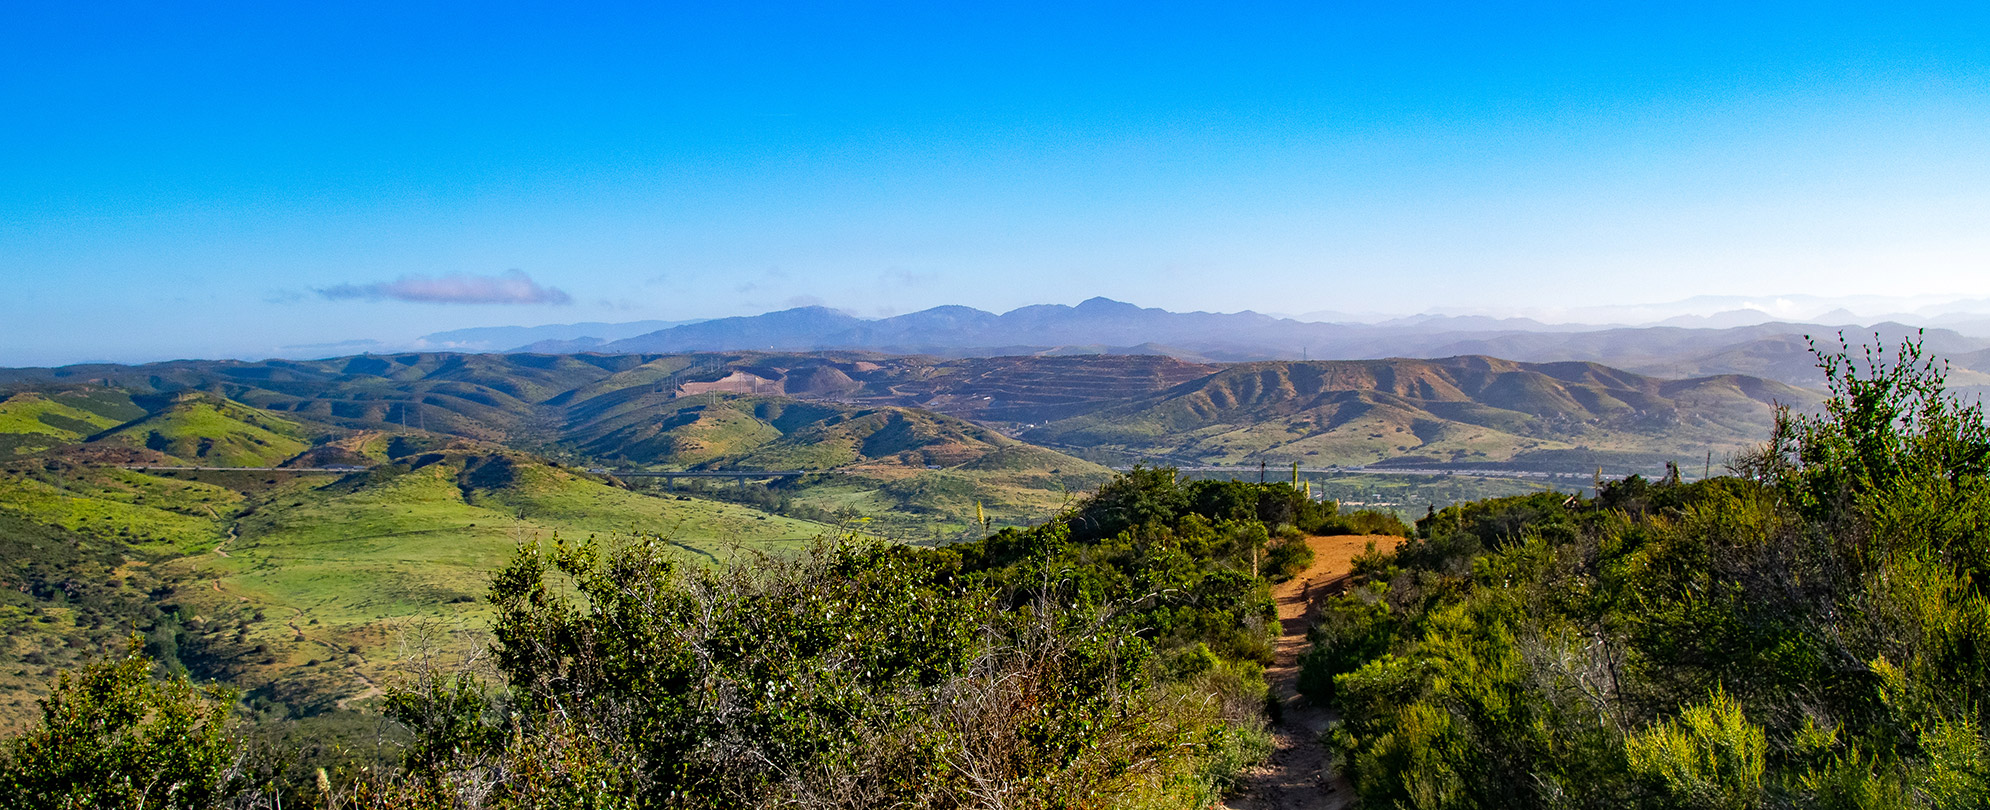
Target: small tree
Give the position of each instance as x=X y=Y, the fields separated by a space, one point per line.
x=114 y=737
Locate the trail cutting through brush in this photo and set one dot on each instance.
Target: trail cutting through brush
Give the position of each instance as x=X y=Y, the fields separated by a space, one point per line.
x=1298 y=776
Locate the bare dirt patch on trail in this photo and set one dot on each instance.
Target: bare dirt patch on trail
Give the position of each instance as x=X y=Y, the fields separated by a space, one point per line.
x=1298 y=776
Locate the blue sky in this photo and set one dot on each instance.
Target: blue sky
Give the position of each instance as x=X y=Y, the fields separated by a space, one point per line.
x=214 y=179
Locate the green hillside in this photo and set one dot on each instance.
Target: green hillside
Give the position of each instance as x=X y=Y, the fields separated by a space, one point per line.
x=755 y=432
x=65 y=598
x=268 y=572
x=642 y=409
x=33 y=421
x=920 y=474
x=906 y=467
x=144 y=511
x=203 y=430
x=516 y=398
x=889 y=435
x=819 y=438
x=657 y=428
x=1463 y=409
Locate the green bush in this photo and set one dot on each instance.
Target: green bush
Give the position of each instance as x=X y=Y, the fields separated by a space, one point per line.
x=1364 y=521
x=1812 y=631
x=1286 y=558
x=114 y=737
x=848 y=671
x=1112 y=657
x=1351 y=630
x=1710 y=756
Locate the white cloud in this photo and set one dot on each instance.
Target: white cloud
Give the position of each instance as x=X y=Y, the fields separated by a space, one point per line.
x=511 y=287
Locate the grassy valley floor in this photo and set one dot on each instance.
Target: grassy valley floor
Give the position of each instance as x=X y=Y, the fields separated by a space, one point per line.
x=307 y=589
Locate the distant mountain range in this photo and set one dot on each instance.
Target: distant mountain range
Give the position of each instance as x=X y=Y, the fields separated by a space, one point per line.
x=500 y=338
x=904 y=412
x=1723 y=343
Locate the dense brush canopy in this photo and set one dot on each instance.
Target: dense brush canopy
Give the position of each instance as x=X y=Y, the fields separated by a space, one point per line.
x=1811 y=632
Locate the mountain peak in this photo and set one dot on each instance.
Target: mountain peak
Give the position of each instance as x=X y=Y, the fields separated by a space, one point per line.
x=1101 y=304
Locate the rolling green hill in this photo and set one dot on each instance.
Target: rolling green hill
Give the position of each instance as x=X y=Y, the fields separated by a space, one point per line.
x=657 y=428
x=780 y=433
x=868 y=420
x=516 y=397
x=205 y=430
x=1461 y=409
x=887 y=462
x=305 y=589
x=667 y=413
x=34 y=421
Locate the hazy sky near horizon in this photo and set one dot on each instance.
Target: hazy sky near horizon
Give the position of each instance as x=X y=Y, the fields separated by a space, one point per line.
x=235 y=179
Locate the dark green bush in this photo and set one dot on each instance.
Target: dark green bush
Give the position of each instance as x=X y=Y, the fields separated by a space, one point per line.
x=849 y=676
x=1364 y=521
x=1113 y=657
x=1351 y=629
x=1286 y=558
x=114 y=737
x=1813 y=631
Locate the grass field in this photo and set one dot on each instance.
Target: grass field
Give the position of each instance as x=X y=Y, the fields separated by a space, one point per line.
x=31 y=422
x=155 y=514
x=308 y=590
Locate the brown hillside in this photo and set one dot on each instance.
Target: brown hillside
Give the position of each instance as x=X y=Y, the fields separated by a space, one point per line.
x=1460 y=409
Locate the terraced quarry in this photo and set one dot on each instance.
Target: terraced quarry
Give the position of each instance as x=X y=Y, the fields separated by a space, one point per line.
x=1042 y=389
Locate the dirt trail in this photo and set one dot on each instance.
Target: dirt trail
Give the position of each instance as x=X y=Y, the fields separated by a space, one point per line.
x=373 y=690
x=1297 y=777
